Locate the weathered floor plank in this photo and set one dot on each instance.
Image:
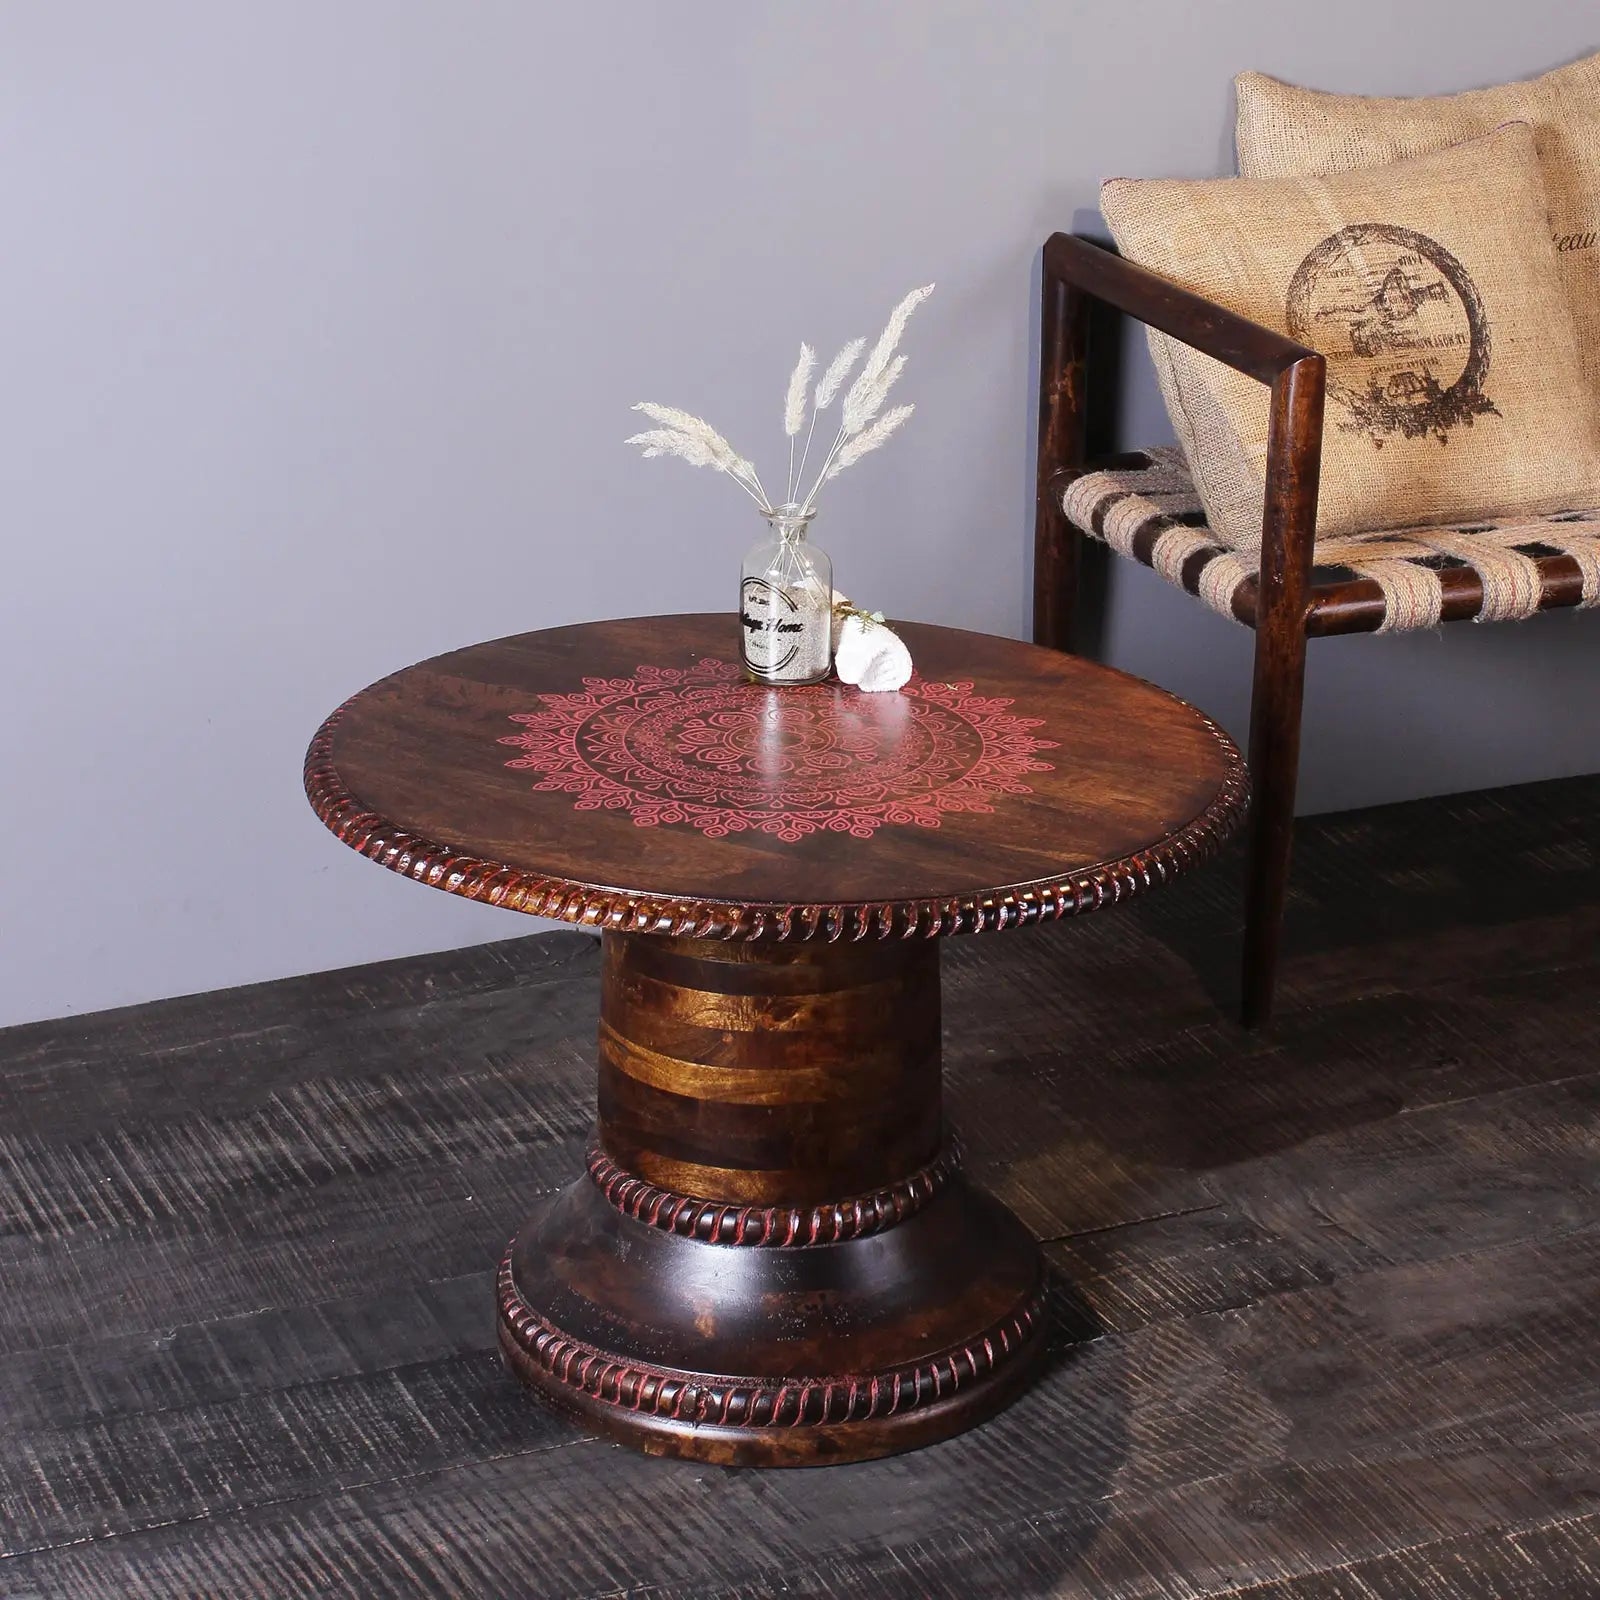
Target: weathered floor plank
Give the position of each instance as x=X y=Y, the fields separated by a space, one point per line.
x=1325 y=1295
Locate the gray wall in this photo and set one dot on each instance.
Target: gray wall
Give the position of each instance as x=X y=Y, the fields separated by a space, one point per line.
x=322 y=319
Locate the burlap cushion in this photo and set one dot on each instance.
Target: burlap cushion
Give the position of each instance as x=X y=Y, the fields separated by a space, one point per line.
x=1454 y=390
x=1284 y=131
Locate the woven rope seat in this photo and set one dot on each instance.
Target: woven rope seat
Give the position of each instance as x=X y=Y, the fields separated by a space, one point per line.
x=1144 y=505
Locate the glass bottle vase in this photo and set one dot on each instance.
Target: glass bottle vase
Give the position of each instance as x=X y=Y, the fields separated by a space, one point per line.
x=786 y=604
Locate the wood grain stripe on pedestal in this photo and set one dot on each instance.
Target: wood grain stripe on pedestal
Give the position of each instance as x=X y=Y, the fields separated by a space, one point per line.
x=793 y=1075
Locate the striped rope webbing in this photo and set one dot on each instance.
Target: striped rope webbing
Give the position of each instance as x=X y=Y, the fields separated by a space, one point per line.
x=1153 y=515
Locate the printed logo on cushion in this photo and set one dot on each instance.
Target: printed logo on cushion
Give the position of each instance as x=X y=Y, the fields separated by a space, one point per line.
x=1402 y=327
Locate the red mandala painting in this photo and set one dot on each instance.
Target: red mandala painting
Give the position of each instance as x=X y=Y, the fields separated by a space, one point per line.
x=704 y=746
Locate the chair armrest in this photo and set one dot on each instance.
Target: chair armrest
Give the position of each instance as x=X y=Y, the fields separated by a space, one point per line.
x=1190 y=318
x=1074 y=271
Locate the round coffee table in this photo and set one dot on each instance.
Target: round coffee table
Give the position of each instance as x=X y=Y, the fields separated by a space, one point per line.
x=773 y=1257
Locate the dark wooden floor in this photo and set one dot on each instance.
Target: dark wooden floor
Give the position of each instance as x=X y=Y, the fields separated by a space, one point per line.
x=1329 y=1297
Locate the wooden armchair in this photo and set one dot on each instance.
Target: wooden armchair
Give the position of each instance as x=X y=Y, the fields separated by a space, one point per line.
x=1143 y=504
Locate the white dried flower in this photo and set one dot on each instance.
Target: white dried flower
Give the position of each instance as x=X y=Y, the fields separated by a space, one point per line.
x=887 y=381
x=666 y=442
x=870 y=655
x=721 y=454
x=838 y=370
x=858 y=404
x=671 y=417
x=853 y=449
x=861 y=405
x=794 y=404
x=692 y=427
x=692 y=439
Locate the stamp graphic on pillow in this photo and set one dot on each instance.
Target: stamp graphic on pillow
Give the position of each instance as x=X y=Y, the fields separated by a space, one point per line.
x=1402 y=328
x=1455 y=386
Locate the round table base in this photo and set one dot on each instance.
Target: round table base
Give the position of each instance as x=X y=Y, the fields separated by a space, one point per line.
x=774 y=1355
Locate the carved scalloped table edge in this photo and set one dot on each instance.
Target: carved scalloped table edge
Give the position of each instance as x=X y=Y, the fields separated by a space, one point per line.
x=591 y=905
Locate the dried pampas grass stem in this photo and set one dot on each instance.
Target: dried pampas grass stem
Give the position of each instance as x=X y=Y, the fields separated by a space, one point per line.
x=861 y=428
x=871 y=385
x=700 y=445
x=868 y=440
x=838 y=371
x=794 y=404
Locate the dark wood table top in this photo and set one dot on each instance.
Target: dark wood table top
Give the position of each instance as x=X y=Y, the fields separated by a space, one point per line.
x=624 y=774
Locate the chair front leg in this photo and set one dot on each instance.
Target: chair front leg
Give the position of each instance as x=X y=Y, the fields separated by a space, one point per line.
x=1294 y=454
x=1275 y=708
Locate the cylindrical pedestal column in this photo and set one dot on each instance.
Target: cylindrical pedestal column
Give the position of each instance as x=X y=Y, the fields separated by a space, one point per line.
x=770 y=1074
x=773 y=1259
